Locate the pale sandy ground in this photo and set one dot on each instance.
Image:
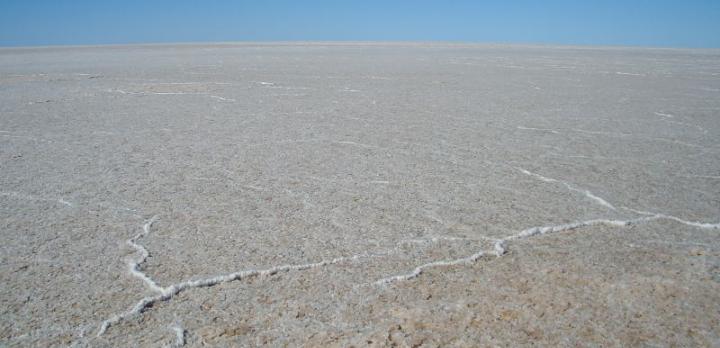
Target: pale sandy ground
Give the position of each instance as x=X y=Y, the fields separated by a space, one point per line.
x=357 y=194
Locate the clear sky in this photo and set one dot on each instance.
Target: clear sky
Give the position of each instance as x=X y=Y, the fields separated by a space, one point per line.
x=678 y=23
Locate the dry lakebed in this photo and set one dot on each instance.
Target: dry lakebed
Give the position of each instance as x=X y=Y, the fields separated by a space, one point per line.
x=359 y=194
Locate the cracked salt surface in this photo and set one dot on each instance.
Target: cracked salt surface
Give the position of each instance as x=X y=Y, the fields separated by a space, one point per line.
x=166 y=293
x=499 y=249
x=500 y=246
x=338 y=219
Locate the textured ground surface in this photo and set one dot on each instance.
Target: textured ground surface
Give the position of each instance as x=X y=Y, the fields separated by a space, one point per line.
x=337 y=195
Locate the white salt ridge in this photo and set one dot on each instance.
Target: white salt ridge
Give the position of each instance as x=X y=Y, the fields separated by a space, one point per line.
x=420 y=269
x=697 y=224
x=664 y=114
x=539 y=129
x=499 y=247
x=436 y=239
x=166 y=293
x=134 y=266
x=179 y=336
x=223 y=99
x=627 y=73
x=587 y=193
x=593 y=197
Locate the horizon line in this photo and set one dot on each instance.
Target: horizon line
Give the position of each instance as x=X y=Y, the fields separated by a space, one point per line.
x=359 y=43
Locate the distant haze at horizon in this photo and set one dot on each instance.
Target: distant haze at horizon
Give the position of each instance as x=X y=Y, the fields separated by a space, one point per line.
x=663 y=23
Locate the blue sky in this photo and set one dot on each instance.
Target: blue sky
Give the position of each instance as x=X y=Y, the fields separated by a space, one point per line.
x=689 y=23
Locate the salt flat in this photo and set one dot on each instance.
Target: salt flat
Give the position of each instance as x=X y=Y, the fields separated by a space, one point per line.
x=359 y=195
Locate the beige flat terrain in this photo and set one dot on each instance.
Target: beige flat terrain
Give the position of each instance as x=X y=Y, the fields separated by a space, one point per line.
x=409 y=195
